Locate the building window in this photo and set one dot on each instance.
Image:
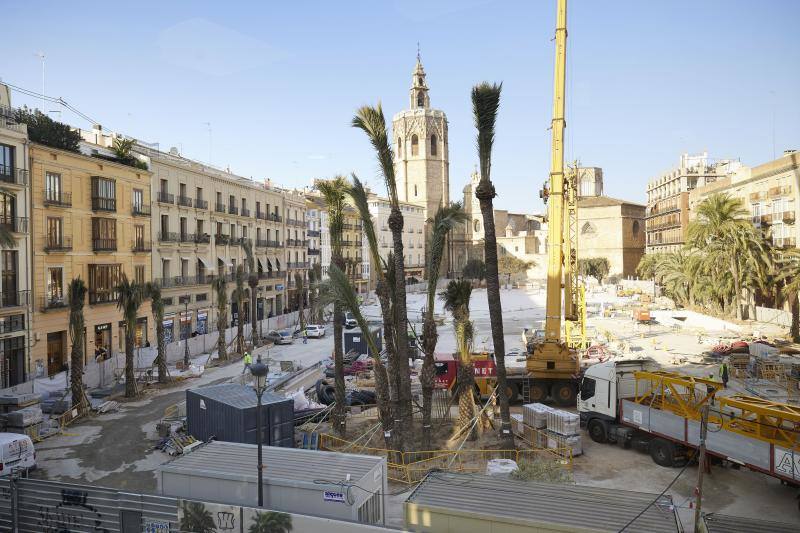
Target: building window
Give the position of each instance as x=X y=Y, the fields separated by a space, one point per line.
x=55 y=286
x=420 y=99
x=104 y=194
x=6 y=161
x=8 y=210
x=635 y=228
x=433 y=145
x=415 y=191
x=138 y=237
x=55 y=232
x=477 y=225
x=52 y=187
x=138 y=274
x=414 y=145
x=103 y=281
x=9 y=278
x=138 y=200
x=104 y=233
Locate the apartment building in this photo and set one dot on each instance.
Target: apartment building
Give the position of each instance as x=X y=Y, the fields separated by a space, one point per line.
x=314 y=234
x=768 y=191
x=413 y=233
x=91 y=220
x=667 y=214
x=296 y=247
x=15 y=260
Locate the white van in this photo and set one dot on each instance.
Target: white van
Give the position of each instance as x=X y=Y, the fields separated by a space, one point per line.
x=16 y=452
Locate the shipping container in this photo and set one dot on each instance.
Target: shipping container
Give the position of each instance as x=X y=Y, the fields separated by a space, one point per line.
x=356 y=341
x=341 y=486
x=227 y=412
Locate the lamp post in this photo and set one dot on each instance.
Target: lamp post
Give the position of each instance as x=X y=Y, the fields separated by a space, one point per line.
x=186 y=345
x=259 y=373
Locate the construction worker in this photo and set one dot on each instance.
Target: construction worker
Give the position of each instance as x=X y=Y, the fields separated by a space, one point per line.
x=248 y=360
x=723 y=374
x=305 y=336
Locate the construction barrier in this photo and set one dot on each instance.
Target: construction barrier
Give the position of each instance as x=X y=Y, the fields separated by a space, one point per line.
x=411 y=467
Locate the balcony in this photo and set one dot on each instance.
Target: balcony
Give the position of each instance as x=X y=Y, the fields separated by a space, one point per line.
x=141 y=246
x=49 y=302
x=13 y=176
x=766 y=220
x=219 y=208
x=100 y=203
x=184 y=201
x=313 y=251
x=274 y=217
x=297 y=242
x=221 y=238
x=15 y=224
x=199 y=203
x=312 y=233
x=58 y=243
x=298 y=223
x=233 y=210
x=261 y=243
x=164 y=197
x=168 y=236
x=187 y=237
x=777 y=192
x=348 y=226
x=297 y=265
x=785 y=242
x=104 y=245
x=273 y=244
x=245 y=212
x=8 y=120
x=14 y=299
x=102 y=296
x=757 y=196
x=202 y=238
x=788 y=217
x=241 y=240
x=260 y=215
x=140 y=210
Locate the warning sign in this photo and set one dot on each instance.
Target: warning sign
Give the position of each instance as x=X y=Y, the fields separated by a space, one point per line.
x=787 y=463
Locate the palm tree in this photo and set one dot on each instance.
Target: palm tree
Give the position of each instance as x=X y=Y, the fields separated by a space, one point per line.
x=456 y=300
x=344 y=292
x=312 y=292
x=722 y=230
x=300 y=284
x=238 y=295
x=196 y=518
x=372 y=122
x=790 y=276
x=153 y=291
x=76 y=294
x=485 y=103
x=271 y=522
x=220 y=288
x=446 y=218
x=333 y=191
x=319 y=308
x=129 y=298
x=252 y=282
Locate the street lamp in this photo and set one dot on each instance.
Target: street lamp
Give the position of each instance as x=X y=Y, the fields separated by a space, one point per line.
x=259 y=373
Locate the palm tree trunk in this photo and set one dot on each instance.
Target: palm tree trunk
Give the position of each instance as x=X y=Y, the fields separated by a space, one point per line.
x=794 y=330
x=393 y=380
x=161 y=347
x=222 y=326
x=240 y=347
x=130 y=378
x=401 y=330
x=253 y=312
x=737 y=289
x=339 y=411
x=76 y=367
x=485 y=193
x=427 y=376
x=466 y=400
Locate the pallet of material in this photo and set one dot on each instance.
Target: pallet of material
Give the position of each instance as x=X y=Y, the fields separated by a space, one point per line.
x=771 y=370
x=535 y=415
x=24 y=417
x=12 y=402
x=563 y=422
x=571 y=442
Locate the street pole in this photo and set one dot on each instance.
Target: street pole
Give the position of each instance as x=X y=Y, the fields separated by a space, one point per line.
x=258 y=443
x=186 y=346
x=701 y=468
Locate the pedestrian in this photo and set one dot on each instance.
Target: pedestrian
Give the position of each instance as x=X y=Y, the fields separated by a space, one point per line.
x=305 y=336
x=723 y=374
x=248 y=360
x=710 y=388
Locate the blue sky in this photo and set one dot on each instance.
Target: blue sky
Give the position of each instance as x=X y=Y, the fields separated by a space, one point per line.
x=279 y=81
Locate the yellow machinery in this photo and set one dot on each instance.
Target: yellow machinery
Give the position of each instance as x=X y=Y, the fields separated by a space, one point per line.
x=552 y=363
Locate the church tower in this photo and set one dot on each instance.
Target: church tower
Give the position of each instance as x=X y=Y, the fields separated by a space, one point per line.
x=420 y=138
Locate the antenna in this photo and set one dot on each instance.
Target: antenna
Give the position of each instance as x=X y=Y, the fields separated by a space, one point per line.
x=418 y=54
x=41 y=56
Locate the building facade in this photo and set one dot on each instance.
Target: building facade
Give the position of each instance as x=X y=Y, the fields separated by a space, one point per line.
x=614 y=229
x=768 y=191
x=15 y=257
x=91 y=220
x=668 y=199
x=413 y=234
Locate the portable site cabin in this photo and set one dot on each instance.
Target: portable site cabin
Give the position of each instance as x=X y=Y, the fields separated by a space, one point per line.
x=453 y=503
x=228 y=412
x=718 y=523
x=356 y=341
x=339 y=486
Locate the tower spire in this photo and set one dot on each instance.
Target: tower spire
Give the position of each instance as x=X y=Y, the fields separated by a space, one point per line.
x=419 y=88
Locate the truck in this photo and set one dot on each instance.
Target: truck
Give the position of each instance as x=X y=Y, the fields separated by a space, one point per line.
x=634 y=404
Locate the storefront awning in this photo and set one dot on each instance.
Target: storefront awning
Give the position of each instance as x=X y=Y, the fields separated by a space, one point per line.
x=263 y=263
x=206 y=264
x=269 y=264
x=225 y=261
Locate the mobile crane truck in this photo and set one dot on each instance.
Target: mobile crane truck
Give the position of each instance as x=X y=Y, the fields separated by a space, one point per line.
x=635 y=405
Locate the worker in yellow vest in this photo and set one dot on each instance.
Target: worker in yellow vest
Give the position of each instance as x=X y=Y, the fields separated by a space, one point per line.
x=248 y=360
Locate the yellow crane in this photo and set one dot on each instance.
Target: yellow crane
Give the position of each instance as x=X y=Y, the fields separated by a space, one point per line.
x=553 y=365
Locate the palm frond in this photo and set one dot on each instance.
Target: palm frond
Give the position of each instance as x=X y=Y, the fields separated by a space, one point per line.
x=345 y=293
x=372 y=122
x=359 y=196
x=485 y=104
x=443 y=222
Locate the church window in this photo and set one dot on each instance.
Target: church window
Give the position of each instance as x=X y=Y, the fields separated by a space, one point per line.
x=420 y=100
x=635 y=228
x=399 y=147
x=433 y=144
x=477 y=225
x=414 y=145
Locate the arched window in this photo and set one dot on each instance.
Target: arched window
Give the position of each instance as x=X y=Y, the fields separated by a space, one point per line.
x=635 y=228
x=399 y=148
x=414 y=145
x=415 y=190
x=420 y=99
x=433 y=144
x=477 y=225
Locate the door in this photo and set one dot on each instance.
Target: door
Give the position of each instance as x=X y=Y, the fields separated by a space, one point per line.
x=56 y=361
x=102 y=341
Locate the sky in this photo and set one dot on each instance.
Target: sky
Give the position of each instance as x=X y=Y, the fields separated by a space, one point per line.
x=278 y=82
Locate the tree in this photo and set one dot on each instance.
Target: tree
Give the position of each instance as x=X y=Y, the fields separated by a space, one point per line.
x=456 y=300
x=312 y=293
x=252 y=282
x=44 y=130
x=238 y=295
x=220 y=288
x=474 y=269
x=445 y=219
x=129 y=298
x=300 y=284
x=122 y=149
x=196 y=518
x=153 y=291
x=790 y=277
x=76 y=294
x=333 y=191
x=511 y=265
x=594 y=267
x=485 y=103
x=372 y=122
x=319 y=308
x=271 y=522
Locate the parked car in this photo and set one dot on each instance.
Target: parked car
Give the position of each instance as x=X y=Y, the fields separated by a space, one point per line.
x=16 y=452
x=349 y=320
x=280 y=337
x=315 y=330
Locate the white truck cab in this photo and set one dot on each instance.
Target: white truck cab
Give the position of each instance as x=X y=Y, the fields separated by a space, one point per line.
x=16 y=453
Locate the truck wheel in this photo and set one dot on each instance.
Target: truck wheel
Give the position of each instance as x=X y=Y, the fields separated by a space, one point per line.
x=564 y=393
x=512 y=391
x=663 y=452
x=538 y=392
x=597 y=431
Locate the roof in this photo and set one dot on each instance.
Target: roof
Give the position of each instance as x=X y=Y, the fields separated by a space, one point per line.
x=233 y=460
x=594 y=508
x=603 y=201
x=236 y=395
x=719 y=523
